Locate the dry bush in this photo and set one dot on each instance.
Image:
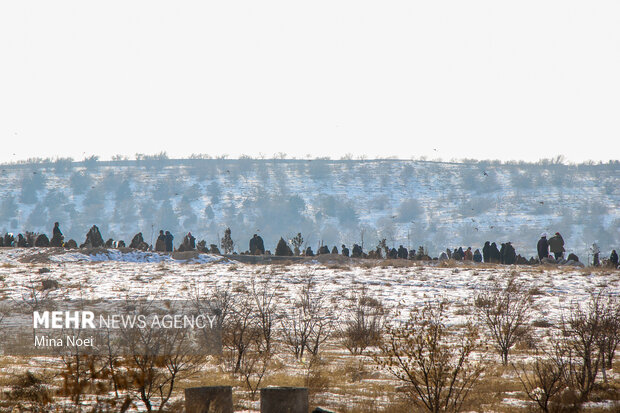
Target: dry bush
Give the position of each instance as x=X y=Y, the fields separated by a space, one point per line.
x=254 y=365
x=610 y=335
x=506 y=313
x=263 y=294
x=30 y=393
x=247 y=319
x=235 y=310
x=448 y=264
x=257 y=357
x=435 y=365
x=154 y=360
x=588 y=337
x=310 y=323
x=239 y=330
x=544 y=383
x=83 y=374
x=363 y=322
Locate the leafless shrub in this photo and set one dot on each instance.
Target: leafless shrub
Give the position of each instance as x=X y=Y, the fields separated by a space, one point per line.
x=309 y=324
x=81 y=373
x=33 y=296
x=506 y=313
x=257 y=358
x=234 y=309
x=254 y=364
x=609 y=338
x=588 y=336
x=156 y=360
x=423 y=354
x=544 y=383
x=263 y=294
x=363 y=322
x=239 y=331
x=247 y=318
x=30 y=392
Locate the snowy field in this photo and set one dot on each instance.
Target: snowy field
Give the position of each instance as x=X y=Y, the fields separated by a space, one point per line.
x=398 y=285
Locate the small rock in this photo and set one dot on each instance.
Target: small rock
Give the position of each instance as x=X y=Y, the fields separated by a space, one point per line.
x=49 y=284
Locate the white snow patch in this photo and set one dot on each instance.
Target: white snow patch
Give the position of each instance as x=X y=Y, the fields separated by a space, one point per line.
x=132 y=256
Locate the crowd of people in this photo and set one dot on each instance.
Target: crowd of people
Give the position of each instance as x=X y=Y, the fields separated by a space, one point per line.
x=549 y=249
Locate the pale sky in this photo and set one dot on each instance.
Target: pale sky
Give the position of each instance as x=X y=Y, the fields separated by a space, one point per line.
x=487 y=79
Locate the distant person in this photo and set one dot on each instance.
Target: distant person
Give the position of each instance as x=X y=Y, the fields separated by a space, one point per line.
x=344 y=250
x=169 y=238
x=93 y=238
x=257 y=247
x=510 y=255
x=392 y=254
x=160 y=243
x=502 y=253
x=57 y=237
x=613 y=259
x=494 y=254
x=556 y=245
x=595 y=255
x=403 y=253
x=486 y=251
x=543 y=246
x=56 y=232
x=191 y=241
x=469 y=256
x=477 y=256
x=357 y=251
x=456 y=254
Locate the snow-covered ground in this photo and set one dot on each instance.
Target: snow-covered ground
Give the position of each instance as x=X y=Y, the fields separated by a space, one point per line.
x=109 y=274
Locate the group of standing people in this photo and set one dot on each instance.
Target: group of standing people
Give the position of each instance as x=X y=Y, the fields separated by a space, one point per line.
x=164 y=241
x=554 y=245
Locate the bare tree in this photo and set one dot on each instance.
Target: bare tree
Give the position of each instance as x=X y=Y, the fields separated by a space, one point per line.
x=506 y=313
x=424 y=355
